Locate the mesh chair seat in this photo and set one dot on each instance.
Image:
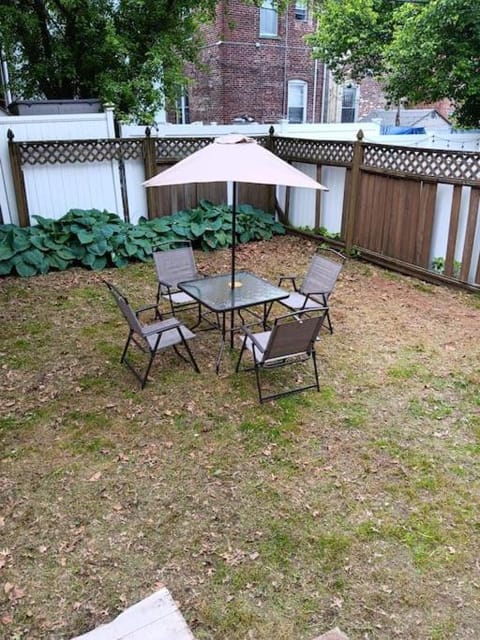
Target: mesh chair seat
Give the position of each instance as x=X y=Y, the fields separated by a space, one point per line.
x=168 y=337
x=179 y=298
x=299 y=301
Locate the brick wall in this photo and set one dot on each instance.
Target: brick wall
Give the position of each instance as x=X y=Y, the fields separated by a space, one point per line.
x=244 y=74
x=372 y=97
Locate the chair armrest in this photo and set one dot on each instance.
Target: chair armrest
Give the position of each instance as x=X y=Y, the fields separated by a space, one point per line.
x=293 y=280
x=161 y=326
x=165 y=283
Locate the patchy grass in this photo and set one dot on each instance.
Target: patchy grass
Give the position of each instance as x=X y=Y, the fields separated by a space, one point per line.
x=356 y=506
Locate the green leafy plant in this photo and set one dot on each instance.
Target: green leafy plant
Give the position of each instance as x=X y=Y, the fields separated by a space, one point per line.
x=97 y=239
x=321 y=231
x=438 y=265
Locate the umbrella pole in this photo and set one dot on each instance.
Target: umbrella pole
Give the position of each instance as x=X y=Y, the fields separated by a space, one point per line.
x=234 y=231
x=234 y=237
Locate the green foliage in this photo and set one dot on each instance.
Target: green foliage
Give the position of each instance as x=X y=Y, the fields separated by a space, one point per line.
x=136 y=49
x=422 y=51
x=97 y=239
x=351 y=34
x=321 y=231
x=434 y=54
x=438 y=265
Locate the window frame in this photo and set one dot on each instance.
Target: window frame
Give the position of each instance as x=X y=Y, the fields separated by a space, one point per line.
x=351 y=111
x=267 y=10
x=301 y=10
x=295 y=83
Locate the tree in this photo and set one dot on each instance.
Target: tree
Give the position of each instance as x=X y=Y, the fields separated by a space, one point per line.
x=127 y=52
x=420 y=50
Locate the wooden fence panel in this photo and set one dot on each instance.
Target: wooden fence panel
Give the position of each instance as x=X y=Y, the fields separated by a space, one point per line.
x=395 y=217
x=258 y=195
x=404 y=212
x=453 y=230
x=428 y=194
x=368 y=216
x=168 y=200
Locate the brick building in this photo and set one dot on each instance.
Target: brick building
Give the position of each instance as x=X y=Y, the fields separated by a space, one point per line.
x=256 y=64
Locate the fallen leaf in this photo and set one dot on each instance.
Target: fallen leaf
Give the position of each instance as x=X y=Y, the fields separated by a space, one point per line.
x=95 y=477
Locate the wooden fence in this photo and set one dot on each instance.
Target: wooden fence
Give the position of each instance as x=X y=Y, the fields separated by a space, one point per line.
x=389 y=206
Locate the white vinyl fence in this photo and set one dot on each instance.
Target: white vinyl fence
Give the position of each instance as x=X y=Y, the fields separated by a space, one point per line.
x=53 y=189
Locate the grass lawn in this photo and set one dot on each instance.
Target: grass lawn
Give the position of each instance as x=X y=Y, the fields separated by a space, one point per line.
x=355 y=507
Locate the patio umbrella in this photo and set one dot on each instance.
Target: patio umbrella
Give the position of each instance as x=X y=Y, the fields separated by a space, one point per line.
x=233 y=158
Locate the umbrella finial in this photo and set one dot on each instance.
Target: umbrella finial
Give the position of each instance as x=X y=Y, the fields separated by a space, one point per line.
x=233 y=138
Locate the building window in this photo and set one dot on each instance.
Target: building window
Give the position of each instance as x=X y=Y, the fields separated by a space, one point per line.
x=268 y=19
x=301 y=10
x=182 y=109
x=349 y=98
x=297 y=101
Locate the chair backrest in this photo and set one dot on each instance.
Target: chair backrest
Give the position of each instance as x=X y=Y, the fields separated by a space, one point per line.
x=322 y=274
x=175 y=265
x=125 y=308
x=290 y=337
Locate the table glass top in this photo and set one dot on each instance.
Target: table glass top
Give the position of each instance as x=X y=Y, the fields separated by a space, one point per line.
x=216 y=292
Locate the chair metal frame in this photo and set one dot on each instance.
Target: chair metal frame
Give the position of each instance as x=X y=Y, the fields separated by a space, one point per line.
x=153 y=337
x=317 y=285
x=291 y=340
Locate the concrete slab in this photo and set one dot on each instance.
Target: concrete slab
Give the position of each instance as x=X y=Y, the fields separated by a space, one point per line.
x=154 y=618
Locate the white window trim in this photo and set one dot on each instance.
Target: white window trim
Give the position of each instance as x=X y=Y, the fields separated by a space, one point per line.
x=301 y=11
x=267 y=5
x=304 y=86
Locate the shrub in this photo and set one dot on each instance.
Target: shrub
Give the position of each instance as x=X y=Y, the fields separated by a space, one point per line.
x=98 y=239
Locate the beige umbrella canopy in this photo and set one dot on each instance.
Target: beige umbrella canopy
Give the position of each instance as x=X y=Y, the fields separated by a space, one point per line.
x=233 y=158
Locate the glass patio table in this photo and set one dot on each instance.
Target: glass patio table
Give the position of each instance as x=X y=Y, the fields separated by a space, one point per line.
x=216 y=293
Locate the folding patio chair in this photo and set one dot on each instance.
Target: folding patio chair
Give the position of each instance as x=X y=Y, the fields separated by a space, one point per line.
x=153 y=337
x=174 y=265
x=317 y=285
x=291 y=341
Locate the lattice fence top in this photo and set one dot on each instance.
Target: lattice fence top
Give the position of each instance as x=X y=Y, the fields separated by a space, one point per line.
x=63 y=152
x=70 y=151
x=330 y=152
x=461 y=166
x=173 y=149
x=454 y=165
